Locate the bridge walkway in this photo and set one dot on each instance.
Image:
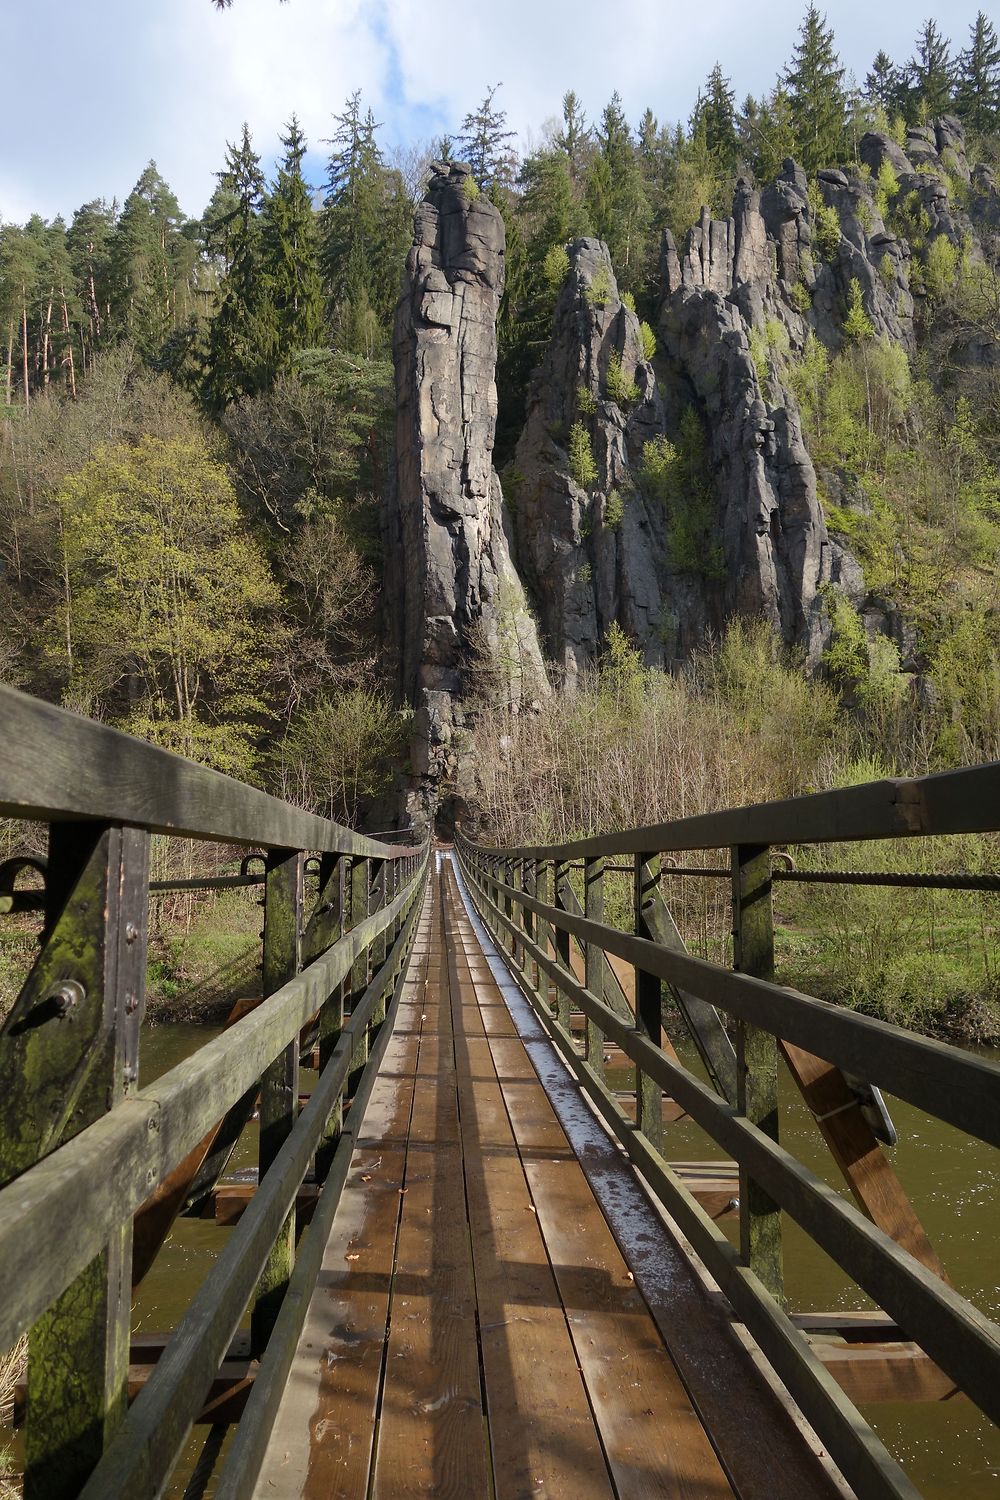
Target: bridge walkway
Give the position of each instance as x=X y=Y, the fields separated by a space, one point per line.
x=475 y=1330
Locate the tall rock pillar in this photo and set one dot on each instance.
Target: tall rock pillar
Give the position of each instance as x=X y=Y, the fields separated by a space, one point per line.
x=460 y=622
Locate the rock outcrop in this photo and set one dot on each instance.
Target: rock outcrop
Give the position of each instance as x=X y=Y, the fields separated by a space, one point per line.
x=590 y=552
x=459 y=610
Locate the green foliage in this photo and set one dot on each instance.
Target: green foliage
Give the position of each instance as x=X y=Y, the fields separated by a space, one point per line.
x=846 y=657
x=621 y=388
x=290 y=255
x=339 y=751
x=857 y=324
x=941 y=268
x=816 y=97
x=167 y=599
x=826 y=231
x=887 y=188
x=470 y=188
x=628 y=300
x=555 y=268
x=616 y=195
x=801 y=297
x=586 y=401
x=677 y=475
x=614 y=510
x=599 y=290
x=759 y=355
x=648 y=340
x=582 y=468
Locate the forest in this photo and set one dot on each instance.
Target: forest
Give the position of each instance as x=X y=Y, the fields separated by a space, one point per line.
x=197 y=447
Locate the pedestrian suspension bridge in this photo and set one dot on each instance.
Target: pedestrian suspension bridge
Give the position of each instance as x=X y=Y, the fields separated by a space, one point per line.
x=469 y=1266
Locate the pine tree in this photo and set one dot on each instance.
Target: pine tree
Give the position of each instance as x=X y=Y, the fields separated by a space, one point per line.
x=815 y=94
x=243 y=338
x=931 y=74
x=768 y=133
x=88 y=240
x=290 y=253
x=978 y=77
x=484 y=143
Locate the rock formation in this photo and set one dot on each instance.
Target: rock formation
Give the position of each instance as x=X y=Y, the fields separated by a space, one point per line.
x=588 y=555
x=459 y=608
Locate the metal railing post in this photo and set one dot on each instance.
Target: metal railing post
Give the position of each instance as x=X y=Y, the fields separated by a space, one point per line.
x=756 y=1058
x=648 y=1003
x=279 y=1086
x=562 y=942
x=594 y=957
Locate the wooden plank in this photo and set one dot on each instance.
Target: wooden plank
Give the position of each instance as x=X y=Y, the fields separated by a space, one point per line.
x=542 y=1434
x=431 y=1432
x=954 y=1332
x=109 y=1169
x=866 y=1168
x=874 y=1373
x=57 y=765
x=949 y=802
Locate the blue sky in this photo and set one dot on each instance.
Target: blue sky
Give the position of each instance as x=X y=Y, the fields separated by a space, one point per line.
x=95 y=88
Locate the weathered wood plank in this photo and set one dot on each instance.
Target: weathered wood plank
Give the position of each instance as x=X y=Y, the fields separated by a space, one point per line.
x=57 y=765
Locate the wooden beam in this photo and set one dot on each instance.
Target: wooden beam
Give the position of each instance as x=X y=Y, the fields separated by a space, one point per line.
x=872 y=1372
x=865 y=1167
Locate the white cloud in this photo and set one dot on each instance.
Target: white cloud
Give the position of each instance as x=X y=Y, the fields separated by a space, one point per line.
x=130 y=80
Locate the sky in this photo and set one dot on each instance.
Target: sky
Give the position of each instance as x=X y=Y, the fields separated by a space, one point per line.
x=103 y=86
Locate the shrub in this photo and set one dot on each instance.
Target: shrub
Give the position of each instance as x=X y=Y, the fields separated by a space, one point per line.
x=586 y=401
x=582 y=468
x=614 y=510
x=801 y=297
x=857 y=324
x=648 y=340
x=620 y=387
x=941 y=268
x=677 y=475
x=598 y=291
x=470 y=188
x=826 y=234
x=628 y=300
x=887 y=187
x=555 y=268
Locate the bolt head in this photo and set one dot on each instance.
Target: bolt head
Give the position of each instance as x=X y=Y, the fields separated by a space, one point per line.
x=131 y=932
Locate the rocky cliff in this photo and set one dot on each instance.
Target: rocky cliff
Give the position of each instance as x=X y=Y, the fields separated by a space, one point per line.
x=459 y=616
x=666 y=490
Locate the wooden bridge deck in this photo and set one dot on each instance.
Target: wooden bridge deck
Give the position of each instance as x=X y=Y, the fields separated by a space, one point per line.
x=475 y=1330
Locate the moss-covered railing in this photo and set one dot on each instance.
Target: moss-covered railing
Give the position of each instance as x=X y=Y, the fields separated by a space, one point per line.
x=93 y=1167
x=545 y=907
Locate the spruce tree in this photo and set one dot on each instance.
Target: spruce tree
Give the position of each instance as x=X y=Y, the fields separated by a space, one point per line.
x=715 y=112
x=484 y=143
x=148 y=262
x=815 y=94
x=978 y=78
x=364 y=227
x=243 y=337
x=885 y=85
x=290 y=253
x=574 y=140
x=616 y=195
x=931 y=74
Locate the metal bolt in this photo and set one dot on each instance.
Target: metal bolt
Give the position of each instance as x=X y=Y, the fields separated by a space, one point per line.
x=130 y=1073
x=131 y=932
x=131 y=1004
x=66 y=996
